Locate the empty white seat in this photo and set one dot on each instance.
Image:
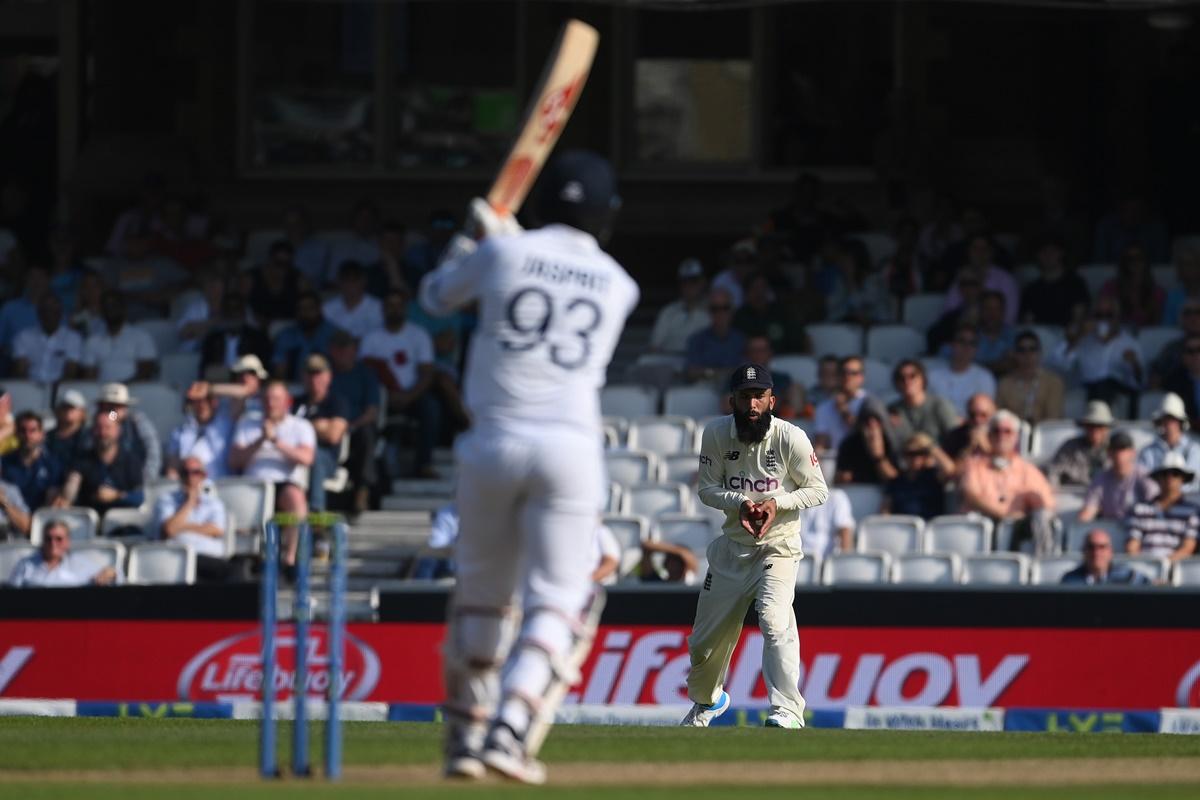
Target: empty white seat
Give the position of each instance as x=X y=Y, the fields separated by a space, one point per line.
x=1049 y=435
x=116 y=519
x=958 y=533
x=163 y=404
x=690 y=531
x=865 y=498
x=891 y=533
x=101 y=553
x=808 y=571
x=28 y=396
x=836 y=339
x=83 y=523
x=630 y=468
x=1074 y=402
x=1149 y=401
x=616 y=498
x=843 y=568
x=662 y=434
x=1096 y=275
x=1067 y=502
x=610 y=436
x=1155 y=568
x=250 y=501
x=679 y=468
x=926 y=568
x=1049 y=570
x=1186 y=572
x=89 y=389
x=654 y=499
x=800 y=368
x=877 y=377
x=179 y=370
x=1154 y=338
x=1048 y=337
x=996 y=568
x=619 y=424
x=628 y=400
x=162 y=562
x=11 y=554
x=1077 y=531
x=892 y=343
x=629 y=529
x=922 y=310
x=698 y=401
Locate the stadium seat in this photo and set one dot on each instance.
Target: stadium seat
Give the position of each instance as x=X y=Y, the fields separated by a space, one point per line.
x=1067 y=503
x=83 y=523
x=10 y=554
x=631 y=468
x=1096 y=275
x=251 y=502
x=836 y=339
x=155 y=488
x=996 y=568
x=618 y=424
x=163 y=404
x=697 y=401
x=1074 y=402
x=889 y=533
x=1153 y=339
x=865 y=498
x=101 y=553
x=179 y=370
x=1077 y=531
x=629 y=529
x=1049 y=435
x=662 y=434
x=1155 y=568
x=162 y=562
x=892 y=343
x=691 y=531
x=610 y=437
x=1049 y=570
x=628 y=400
x=652 y=500
x=847 y=568
x=1048 y=336
x=1141 y=435
x=28 y=396
x=117 y=518
x=926 y=568
x=1149 y=401
x=616 y=497
x=800 y=368
x=880 y=244
x=921 y=311
x=163 y=332
x=679 y=468
x=877 y=377
x=1186 y=572
x=808 y=571
x=965 y=534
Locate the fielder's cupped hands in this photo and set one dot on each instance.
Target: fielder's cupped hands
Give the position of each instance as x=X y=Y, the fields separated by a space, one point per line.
x=757 y=518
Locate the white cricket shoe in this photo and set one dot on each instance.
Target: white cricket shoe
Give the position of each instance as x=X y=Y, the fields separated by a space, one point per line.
x=462 y=746
x=505 y=754
x=782 y=719
x=700 y=716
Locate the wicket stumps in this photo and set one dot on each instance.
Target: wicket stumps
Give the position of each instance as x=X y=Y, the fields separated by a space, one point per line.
x=301 y=618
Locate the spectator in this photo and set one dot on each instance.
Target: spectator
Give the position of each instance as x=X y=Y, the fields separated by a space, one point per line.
x=1097 y=567
x=607 y=553
x=193 y=514
x=361 y=247
x=276 y=285
x=120 y=352
x=680 y=319
x=1187 y=270
x=1058 y=296
x=996 y=337
x=715 y=350
x=760 y=315
x=1141 y=299
x=742 y=262
x=828 y=528
x=1170 y=363
x=66 y=441
x=829 y=382
x=330 y=420
x=8 y=423
x=1031 y=391
x=15 y=517
x=1006 y=487
x=835 y=416
x=971 y=437
x=679 y=563
x=981 y=261
x=1167 y=526
x=105 y=475
x=87 y=315
x=917 y=411
x=21 y=312
x=941 y=333
x=277 y=446
x=1184 y=381
x=142 y=220
x=789 y=394
x=1170 y=421
x=1114 y=491
x=1079 y=460
x=204 y=314
x=1131 y=224
x=138 y=434
x=353 y=310
x=49 y=351
x=859 y=294
x=234 y=337
x=358 y=385
x=244 y=394
x=31 y=468
x=1107 y=361
x=868 y=454
x=204 y=434
x=402 y=356
x=310 y=252
x=310 y=334
x=438 y=560
x=962 y=377
x=147 y=277
x=52 y=565
x=920 y=490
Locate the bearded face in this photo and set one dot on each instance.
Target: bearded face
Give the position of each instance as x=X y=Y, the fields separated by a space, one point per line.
x=752 y=414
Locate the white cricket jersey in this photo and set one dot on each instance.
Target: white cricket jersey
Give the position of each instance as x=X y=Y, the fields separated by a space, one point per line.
x=551 y=308
x=782 y=466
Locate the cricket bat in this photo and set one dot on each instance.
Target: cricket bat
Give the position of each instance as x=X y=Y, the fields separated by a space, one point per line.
x=557 y=92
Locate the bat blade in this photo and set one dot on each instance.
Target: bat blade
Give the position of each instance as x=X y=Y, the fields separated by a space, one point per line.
x=549 y=109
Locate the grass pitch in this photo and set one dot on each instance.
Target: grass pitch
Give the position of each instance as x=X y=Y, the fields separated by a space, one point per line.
x=182 y=759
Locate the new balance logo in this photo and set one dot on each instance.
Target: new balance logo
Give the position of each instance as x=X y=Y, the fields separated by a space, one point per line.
x=732 y=455
x=768 y=565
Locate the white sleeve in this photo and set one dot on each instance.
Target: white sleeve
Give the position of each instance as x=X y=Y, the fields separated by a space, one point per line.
x=805 y=469
x=609 y=546
x=306 y=434
x=711 y=478
x=839 y=505
x=456 y=282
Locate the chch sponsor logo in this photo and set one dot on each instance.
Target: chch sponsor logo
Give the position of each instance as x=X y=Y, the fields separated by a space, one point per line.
x=744 y=483
x=705 y=461
x=231 y=669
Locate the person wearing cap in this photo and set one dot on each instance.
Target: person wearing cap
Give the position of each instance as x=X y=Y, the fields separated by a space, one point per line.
x=762 y=315
x=552 y=305
x=762 y=472
x=1097 y=568
x=1031 y=391
x=713 y=350
x=352 y=309
x=1005 y=487
x=120 y=352
x=243 y=394
x=204 y=434
x=104 y=475
x=1114 y=491
x=789 y=395
x=310 y=334
x=679 y=319
x=920 y=488
x=236 y=335
x=49 y=351
x=1080 y=459
x=330 y=420
x=358 y=385
x=1167 y=526
x=31 y=467
x=138 y=434
x=67 y=438
x=1171 y=424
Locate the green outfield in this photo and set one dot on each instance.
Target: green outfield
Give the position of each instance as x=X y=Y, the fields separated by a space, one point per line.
x=180 y=758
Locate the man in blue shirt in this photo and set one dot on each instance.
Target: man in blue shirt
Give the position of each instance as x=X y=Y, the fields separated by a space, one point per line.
x=715 y=350
x=1097 y=567
x=296 y=343
x=31 y=468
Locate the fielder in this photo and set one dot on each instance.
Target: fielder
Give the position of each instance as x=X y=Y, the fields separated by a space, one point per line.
x=761 y=471
x=531 y=479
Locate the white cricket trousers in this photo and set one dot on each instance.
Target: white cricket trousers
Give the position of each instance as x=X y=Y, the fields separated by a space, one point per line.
x=738 y=575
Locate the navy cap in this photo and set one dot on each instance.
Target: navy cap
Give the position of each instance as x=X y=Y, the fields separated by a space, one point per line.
x=751 y=376
x=581 y=179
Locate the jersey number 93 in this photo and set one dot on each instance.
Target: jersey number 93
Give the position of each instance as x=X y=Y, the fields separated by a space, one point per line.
x=533 y=319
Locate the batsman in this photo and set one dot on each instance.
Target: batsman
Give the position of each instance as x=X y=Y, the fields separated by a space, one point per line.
x=761 y=471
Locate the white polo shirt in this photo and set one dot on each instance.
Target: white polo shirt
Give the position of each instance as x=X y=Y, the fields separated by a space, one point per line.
x=268 y=463
x=359 y=321
x=402 y=351
x=47 y=355
x=115 y=358
x=208 y=511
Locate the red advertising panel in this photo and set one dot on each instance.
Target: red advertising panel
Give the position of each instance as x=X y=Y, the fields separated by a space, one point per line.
x=400 y=663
